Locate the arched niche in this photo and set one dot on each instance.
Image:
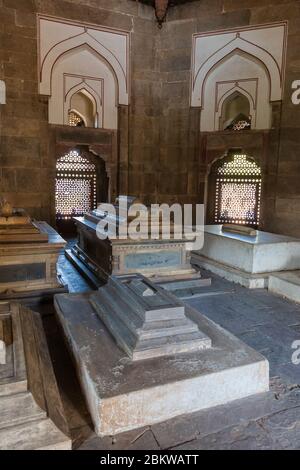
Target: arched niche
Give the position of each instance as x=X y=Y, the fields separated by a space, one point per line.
x=88 y=39
x=237 y=72
x=82 y=70
x=235 y=105
x=237 y=46
x=250 y=59
x=84 y=105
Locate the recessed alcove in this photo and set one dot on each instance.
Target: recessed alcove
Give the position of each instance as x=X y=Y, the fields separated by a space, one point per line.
x=84 y=106
x=236 y=107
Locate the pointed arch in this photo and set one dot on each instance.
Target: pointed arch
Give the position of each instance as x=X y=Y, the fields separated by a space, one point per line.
x=243 y=47
x=85 y=88
x=232 y=91
x=86 y=41
x=236 y=90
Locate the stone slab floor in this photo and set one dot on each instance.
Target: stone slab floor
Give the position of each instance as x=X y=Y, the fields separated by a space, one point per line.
x=266 y=322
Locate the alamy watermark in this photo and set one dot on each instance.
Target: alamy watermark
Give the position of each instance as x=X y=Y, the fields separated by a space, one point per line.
x=296 y=353
x=158 y=222
x=296 y=94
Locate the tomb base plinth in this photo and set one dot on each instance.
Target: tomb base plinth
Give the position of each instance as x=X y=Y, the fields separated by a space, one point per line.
x=141 y=382
x=29 y=268
x=114 y=256
x=286 y=284
x=100 y=253
x=247 y=260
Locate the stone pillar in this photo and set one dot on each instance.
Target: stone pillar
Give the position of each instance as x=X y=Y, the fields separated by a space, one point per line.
x=123 y=156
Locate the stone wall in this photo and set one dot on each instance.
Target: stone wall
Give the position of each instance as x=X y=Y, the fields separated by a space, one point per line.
x=27 y=152
x=160 y=151
x=189 y=153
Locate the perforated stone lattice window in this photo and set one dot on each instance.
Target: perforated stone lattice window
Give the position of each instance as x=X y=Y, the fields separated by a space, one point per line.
x=75 y=119
x=238 y=191
x=76 y=186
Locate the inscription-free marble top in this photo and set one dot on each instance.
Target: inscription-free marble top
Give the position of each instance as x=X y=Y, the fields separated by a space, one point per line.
x=262 y=238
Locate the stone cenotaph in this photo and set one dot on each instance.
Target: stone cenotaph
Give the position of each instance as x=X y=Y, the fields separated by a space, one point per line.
x=29 y=252
x=142 y=356
x=248 y=259
x=163 y=259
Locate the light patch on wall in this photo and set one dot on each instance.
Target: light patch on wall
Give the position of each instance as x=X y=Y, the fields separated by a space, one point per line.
x=2 y=92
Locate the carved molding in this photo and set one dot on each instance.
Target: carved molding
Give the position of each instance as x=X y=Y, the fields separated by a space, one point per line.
x=250 y=60
x=265 y=43
x=80 y=57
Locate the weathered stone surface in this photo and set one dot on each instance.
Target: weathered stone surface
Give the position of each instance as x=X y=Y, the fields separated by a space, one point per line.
x=286 y=284
x=141 y=439
x=29 y=398
x=240 y=311
x=245 y=436
x=124 y=395
x=145 y=320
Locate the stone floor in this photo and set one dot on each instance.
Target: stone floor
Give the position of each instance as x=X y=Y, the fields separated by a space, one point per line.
x=264 y=321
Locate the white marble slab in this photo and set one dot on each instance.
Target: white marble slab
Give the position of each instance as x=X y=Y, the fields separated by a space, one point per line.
x=249 y=280
x=265 y=253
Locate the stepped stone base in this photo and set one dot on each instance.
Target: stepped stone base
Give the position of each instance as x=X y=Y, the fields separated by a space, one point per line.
x=145 y=320
x=251 y=281
x=31 y=412
x=286 y=284
x=123 y=394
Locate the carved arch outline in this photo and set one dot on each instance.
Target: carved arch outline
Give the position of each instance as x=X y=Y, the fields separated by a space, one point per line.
x=84 y=87
x=220 y=107
x=237 y=45
x=86 y=41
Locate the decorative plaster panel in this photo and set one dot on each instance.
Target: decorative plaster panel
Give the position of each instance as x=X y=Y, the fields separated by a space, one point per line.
x=77 y=57
x=248 y=60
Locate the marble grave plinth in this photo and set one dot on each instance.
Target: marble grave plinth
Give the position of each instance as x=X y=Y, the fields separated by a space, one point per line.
x=247 y=260
x=29 y=251
x=31 y=411
x=142 y=356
